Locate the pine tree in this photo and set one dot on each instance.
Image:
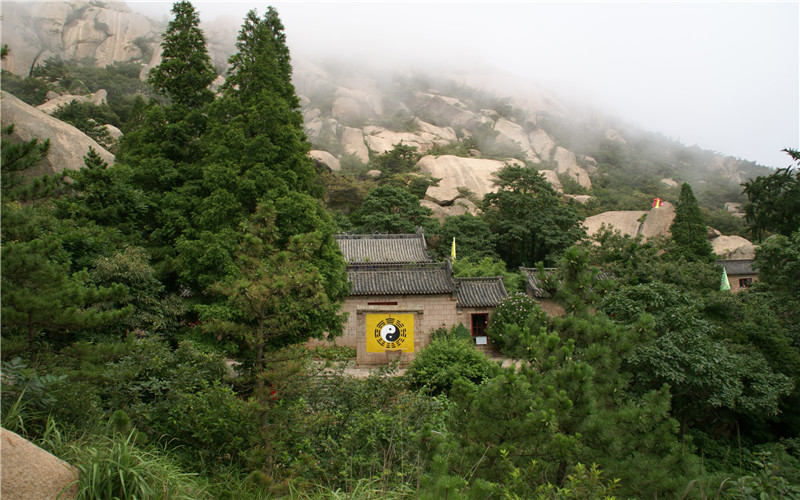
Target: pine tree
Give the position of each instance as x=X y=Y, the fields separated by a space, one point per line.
x=773 y=201
x=101 y=194
x=41 y=295
x=689 y=230
x=16 y=158
x=276 y=297
x=185 y=71
x=528 y=218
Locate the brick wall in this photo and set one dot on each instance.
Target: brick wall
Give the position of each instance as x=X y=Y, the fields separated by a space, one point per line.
x=734 y=280
x=430 y=312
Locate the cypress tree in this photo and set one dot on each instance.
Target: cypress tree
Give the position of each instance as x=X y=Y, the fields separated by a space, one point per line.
x=255 y=153
x=256 y=127
x=185 y=71
x=689 y=229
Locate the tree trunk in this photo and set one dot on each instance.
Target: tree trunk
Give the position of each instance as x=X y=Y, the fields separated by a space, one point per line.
x=31 y=338
x=259 y=368
x=262 y=395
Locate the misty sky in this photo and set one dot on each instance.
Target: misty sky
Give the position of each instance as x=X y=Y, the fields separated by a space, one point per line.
x=722 y=75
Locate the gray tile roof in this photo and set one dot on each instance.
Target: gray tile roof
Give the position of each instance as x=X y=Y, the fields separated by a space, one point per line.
x=480 y=292
x=738 y=267
x=533 y=283
x=535 y=286
x=410 y=279
x=383 y=248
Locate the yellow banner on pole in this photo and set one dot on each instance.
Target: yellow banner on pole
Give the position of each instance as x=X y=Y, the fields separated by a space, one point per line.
x=390 y=332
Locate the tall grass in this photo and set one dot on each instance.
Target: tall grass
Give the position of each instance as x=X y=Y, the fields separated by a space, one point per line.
x=362 y=489
x=115 y=467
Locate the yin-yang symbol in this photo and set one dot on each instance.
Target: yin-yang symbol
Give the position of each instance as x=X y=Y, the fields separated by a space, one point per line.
x=390 y=333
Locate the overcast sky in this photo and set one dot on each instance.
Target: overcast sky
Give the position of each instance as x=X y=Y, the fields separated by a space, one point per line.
x=722 y=75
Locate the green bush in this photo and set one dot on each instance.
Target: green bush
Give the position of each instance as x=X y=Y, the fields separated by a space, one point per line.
x=513 y=310
x=446 y=360
x=458 y=331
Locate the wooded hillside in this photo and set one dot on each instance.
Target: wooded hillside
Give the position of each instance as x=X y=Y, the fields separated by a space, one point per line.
x=156 y=310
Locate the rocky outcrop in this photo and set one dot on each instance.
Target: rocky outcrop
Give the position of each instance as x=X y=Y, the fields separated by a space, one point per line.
x=541 y=143
x=326 y=159
x=658 y=221
x=114 y=132
x=31 y=473
x=57 y=101
x=68 y=145
x=734 y=209
x=441 y=110
x=613 y=135
x=648 y=224
x=357 y=101
x=626 y=222
x=444 y=133
x=729 y=167
x=568 y=165
x=105 y=33
x=583 y=199
x=381 y=140
x=670 y=182
x=352 y=140
x=552 y=177
x=733 y=247
x=512 y=135
x=474 y=174
x=460 y=206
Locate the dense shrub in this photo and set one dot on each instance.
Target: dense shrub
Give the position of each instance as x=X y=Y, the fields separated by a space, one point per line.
x=513 y=310
x=446 y=360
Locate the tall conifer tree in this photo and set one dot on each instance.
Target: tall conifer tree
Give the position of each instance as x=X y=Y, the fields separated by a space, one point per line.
x=689 y=229
x=256 y=153
x=185 y=71
x=257 y=125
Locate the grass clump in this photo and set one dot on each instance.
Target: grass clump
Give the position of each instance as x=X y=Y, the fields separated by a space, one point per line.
x=116 y=467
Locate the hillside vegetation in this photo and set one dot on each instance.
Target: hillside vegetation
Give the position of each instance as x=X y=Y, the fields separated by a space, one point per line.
x=156 y=311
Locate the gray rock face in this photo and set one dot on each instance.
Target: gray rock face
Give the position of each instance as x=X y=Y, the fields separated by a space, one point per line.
x=541 y=143
x=511 y=134
x=658 y=221
x=441 y=110
x=648 y=224
x=729 y=167
x=475 y=174
x=568 y=165
x=104 y=33
x=734 y=208
x=460 y=206
x=381 y=140
x=583 y=199
x=114 y=132
x=52 y=105
x=353 y=141
x=626 y=222
x=613 y=135
x=327 y=159
x=552 y=177
x=359 y=100
x=99 y=98
x=30 y=473
x=733 y=247
x=68 y=145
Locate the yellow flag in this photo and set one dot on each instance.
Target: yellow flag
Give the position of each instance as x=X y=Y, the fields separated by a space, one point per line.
x=453 y=250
